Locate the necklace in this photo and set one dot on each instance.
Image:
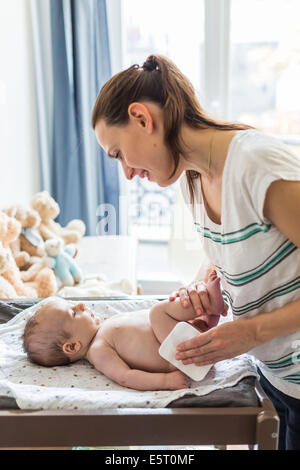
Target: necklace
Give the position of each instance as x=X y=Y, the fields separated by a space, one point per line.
x=210 y=148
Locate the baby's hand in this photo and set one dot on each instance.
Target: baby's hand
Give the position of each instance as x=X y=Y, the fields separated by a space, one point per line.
x=177 y=380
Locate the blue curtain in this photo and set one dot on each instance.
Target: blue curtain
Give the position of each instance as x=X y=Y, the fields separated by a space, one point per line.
x=82 y=177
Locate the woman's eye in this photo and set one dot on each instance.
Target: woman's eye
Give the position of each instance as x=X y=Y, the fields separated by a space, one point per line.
x=118 y=156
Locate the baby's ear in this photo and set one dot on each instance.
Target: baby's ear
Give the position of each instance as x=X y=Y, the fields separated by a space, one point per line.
x=70 y=348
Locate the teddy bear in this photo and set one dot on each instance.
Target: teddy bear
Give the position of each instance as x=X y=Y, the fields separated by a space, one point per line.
x=42 y=285
x=62 y=261
x=29 y=247
x=48 y=210
x=7 y=291
x=10 y=230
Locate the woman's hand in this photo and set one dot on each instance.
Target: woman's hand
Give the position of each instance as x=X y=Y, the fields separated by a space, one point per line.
x=197 y=295
x=223 y=342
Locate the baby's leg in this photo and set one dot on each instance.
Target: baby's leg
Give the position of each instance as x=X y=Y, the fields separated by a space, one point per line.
x=165 y=315
x=215 y=294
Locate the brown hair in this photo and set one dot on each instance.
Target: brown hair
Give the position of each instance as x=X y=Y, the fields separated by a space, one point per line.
x=159 y=81
x=42 y=348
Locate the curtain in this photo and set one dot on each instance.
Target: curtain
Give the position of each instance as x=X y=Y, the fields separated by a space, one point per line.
x=41 y=41
x=81 y=177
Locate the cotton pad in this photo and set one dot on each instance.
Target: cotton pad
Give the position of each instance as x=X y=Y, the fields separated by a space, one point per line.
x=182 y=332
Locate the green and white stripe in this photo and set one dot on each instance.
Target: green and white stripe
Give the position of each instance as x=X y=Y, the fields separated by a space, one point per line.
x=232 y=237
x=294 y=379
x=285 y=361
x=272 y=294
x=282 y=252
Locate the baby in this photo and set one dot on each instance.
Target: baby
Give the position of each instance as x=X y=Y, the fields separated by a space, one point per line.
x=123 y=347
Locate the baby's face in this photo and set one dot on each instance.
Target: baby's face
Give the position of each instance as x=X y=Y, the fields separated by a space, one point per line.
x=77 y=320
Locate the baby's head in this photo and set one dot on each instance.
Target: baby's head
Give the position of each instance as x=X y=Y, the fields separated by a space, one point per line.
x=59 y=333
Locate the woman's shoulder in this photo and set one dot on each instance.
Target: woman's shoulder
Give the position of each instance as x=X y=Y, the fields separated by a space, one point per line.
x=259 y=151
x=258 y=159
x=256 y=141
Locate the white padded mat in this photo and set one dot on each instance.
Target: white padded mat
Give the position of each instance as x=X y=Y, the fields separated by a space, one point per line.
x=80 y=386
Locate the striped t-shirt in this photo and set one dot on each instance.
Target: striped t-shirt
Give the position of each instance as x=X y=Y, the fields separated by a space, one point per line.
x=259 y=267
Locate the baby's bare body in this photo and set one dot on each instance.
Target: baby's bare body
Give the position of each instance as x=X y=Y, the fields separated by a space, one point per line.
x=125 y=348
x=131 y=336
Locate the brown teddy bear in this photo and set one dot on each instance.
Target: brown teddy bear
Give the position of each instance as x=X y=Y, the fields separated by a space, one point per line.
x=48 y=210
x=43 y=283
x=29 y=247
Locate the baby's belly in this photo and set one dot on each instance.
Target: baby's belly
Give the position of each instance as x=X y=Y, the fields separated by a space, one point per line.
x=137 y=345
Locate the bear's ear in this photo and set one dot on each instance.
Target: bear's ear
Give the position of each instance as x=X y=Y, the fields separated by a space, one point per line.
x=43 y=201
x=21 y=214
x=38 y=202
x=47 y=198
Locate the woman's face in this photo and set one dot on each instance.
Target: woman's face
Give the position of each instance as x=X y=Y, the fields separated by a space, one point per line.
x=139 y=146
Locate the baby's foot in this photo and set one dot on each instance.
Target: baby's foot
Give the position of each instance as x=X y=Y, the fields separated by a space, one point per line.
x=177 y=380
x=215 y=295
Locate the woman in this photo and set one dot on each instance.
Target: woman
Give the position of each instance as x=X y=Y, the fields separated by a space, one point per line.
x=244 y=190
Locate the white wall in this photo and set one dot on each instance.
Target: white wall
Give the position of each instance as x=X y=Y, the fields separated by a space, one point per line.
x=19 y=170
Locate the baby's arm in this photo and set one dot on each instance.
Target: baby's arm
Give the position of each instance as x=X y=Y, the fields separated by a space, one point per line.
x=107 y=361
x=165 y=315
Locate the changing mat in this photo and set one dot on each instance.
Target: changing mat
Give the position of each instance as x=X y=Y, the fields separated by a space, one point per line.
x=80 y=386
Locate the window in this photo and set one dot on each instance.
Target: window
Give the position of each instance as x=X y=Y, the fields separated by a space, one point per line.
x=265 y=66
x=168 y=28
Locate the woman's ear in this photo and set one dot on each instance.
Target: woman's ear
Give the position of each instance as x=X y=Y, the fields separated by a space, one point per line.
x=140 y=114
x=70 y=348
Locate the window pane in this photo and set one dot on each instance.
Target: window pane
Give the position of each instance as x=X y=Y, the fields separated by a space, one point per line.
x=169 y=27
x=265 y=65
x=175 y=29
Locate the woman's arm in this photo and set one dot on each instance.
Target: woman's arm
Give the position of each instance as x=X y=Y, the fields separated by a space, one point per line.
x=282 y=208
x=234 y=338
x=279 y=322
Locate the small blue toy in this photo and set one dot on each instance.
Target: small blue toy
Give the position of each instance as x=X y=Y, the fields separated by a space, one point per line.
x=62 y=262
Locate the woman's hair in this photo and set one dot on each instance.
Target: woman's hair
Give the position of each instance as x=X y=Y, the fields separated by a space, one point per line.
x=161 y=82
x=43 y=347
